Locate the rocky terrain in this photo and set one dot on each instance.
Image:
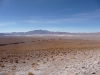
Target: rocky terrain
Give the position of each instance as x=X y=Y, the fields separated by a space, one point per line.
x=49 y=56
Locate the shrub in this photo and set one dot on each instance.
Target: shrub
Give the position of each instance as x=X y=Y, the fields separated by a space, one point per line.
x=30 y=73
x=2 y=65
x=16 y=61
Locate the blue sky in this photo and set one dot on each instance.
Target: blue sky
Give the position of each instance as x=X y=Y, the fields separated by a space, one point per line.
x=53 y=15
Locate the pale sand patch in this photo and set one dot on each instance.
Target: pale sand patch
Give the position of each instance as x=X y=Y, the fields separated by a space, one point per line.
x=73 y=63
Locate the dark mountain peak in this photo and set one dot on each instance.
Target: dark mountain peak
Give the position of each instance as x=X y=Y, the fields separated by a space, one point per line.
x=38 y=32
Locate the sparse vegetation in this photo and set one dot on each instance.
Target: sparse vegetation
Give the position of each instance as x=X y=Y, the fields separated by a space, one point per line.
x=16 y=61
x=30 y=73
x=13 y=74
x=2 y=65
x=22 y=52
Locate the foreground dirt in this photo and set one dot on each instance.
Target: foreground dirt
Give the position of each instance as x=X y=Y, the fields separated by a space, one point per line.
x=49 y=56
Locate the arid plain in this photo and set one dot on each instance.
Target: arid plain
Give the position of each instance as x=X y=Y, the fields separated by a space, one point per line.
x=50 y=55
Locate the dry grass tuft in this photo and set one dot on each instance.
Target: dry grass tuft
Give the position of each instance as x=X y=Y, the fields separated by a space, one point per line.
x=2 y=65
x=30 y=73
x=13 y=74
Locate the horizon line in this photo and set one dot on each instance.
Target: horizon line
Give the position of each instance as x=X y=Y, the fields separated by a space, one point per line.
x=49 y=31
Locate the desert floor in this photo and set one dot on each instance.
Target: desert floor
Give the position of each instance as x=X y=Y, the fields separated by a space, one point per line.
x=49 y=55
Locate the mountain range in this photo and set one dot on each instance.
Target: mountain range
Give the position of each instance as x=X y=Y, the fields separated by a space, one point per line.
x=45 y=32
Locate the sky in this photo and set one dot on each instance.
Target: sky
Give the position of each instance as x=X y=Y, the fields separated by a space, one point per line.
x=52 y=15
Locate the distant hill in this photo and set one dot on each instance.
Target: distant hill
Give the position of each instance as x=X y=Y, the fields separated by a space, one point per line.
x=1 y=34
x=45 y=32
x=38 y=32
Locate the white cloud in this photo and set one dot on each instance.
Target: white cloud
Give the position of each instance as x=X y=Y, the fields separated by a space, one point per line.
x=7 y=23
x=90 y=15
x=2 y=24
x=75 y=18
x=42 y=21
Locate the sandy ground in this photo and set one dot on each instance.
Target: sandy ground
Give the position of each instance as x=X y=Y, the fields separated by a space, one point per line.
x=59 y=60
